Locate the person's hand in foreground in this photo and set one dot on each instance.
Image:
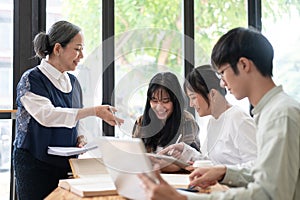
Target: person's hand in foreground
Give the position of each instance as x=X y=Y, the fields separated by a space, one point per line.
x=207 y=176
x=174 y=150
x=161 y=190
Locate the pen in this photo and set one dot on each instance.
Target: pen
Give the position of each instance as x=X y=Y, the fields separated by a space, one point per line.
x=191 y=187
x=177 y=141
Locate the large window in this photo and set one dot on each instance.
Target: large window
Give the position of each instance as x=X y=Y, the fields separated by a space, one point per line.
x=285 y=38
x=213 y=19
x=6 y=93
x=148 y=40
x=87 y=15
x=6 y=41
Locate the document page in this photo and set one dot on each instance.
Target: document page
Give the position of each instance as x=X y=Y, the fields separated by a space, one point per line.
x=86 y=167
x=69 y=151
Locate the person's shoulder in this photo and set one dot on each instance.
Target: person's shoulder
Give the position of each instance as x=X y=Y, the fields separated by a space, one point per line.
x=32 y=72
x=239 y=115
x=236 y=111
x=187 y=116
x=74 y=81
x=289 y=101
x=286 y=105
x=71 y=76
x=277 y=100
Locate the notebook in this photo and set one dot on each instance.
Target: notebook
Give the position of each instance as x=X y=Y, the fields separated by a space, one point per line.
x=124 y=159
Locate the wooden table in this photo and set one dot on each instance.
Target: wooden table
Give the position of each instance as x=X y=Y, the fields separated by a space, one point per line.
x=61 y=194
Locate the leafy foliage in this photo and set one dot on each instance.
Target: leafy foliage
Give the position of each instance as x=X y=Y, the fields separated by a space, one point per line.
x=151 y=31
x=212 y=19
x=87 y=15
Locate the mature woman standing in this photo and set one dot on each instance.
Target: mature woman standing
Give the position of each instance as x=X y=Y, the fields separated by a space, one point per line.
x=50 y=107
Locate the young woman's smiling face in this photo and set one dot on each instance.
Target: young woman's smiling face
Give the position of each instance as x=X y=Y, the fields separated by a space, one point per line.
x=161 y=104
x=198 y=103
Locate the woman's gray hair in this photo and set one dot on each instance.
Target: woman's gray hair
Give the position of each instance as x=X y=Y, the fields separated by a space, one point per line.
x=61 y=32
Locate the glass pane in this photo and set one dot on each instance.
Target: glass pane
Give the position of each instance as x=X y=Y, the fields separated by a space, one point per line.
x=279 y=26
x=6 y=93
x=212 y=20
x=87 y=15
x=149 y=36
x=6 y=54
x=5 y=157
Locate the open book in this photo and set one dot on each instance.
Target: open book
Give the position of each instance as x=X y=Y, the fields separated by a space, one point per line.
x=69 y=151
x=97 y=185
x=87 y=167
x=90 y=178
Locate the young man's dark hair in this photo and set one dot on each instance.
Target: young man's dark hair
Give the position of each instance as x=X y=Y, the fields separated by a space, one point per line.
x=242 y=42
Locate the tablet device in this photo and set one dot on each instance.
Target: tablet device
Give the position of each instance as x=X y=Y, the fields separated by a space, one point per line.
x=124 y=159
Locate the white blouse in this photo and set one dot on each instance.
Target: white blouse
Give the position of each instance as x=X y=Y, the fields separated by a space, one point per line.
x=231 y=140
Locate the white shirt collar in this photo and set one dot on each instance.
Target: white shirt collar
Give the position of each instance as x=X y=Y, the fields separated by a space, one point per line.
x=50 y=69
x=60 y=80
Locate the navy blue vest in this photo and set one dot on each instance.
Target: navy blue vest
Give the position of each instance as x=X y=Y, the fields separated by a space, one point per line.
x=35 y=137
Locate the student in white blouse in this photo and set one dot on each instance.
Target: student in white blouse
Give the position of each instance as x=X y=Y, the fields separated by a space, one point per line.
x=231 y=132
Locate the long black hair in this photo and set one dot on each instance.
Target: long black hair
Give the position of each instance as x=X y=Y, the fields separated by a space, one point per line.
x=153 y=131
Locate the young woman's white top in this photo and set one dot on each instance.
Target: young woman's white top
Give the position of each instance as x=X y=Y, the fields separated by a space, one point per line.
x=231 y=140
